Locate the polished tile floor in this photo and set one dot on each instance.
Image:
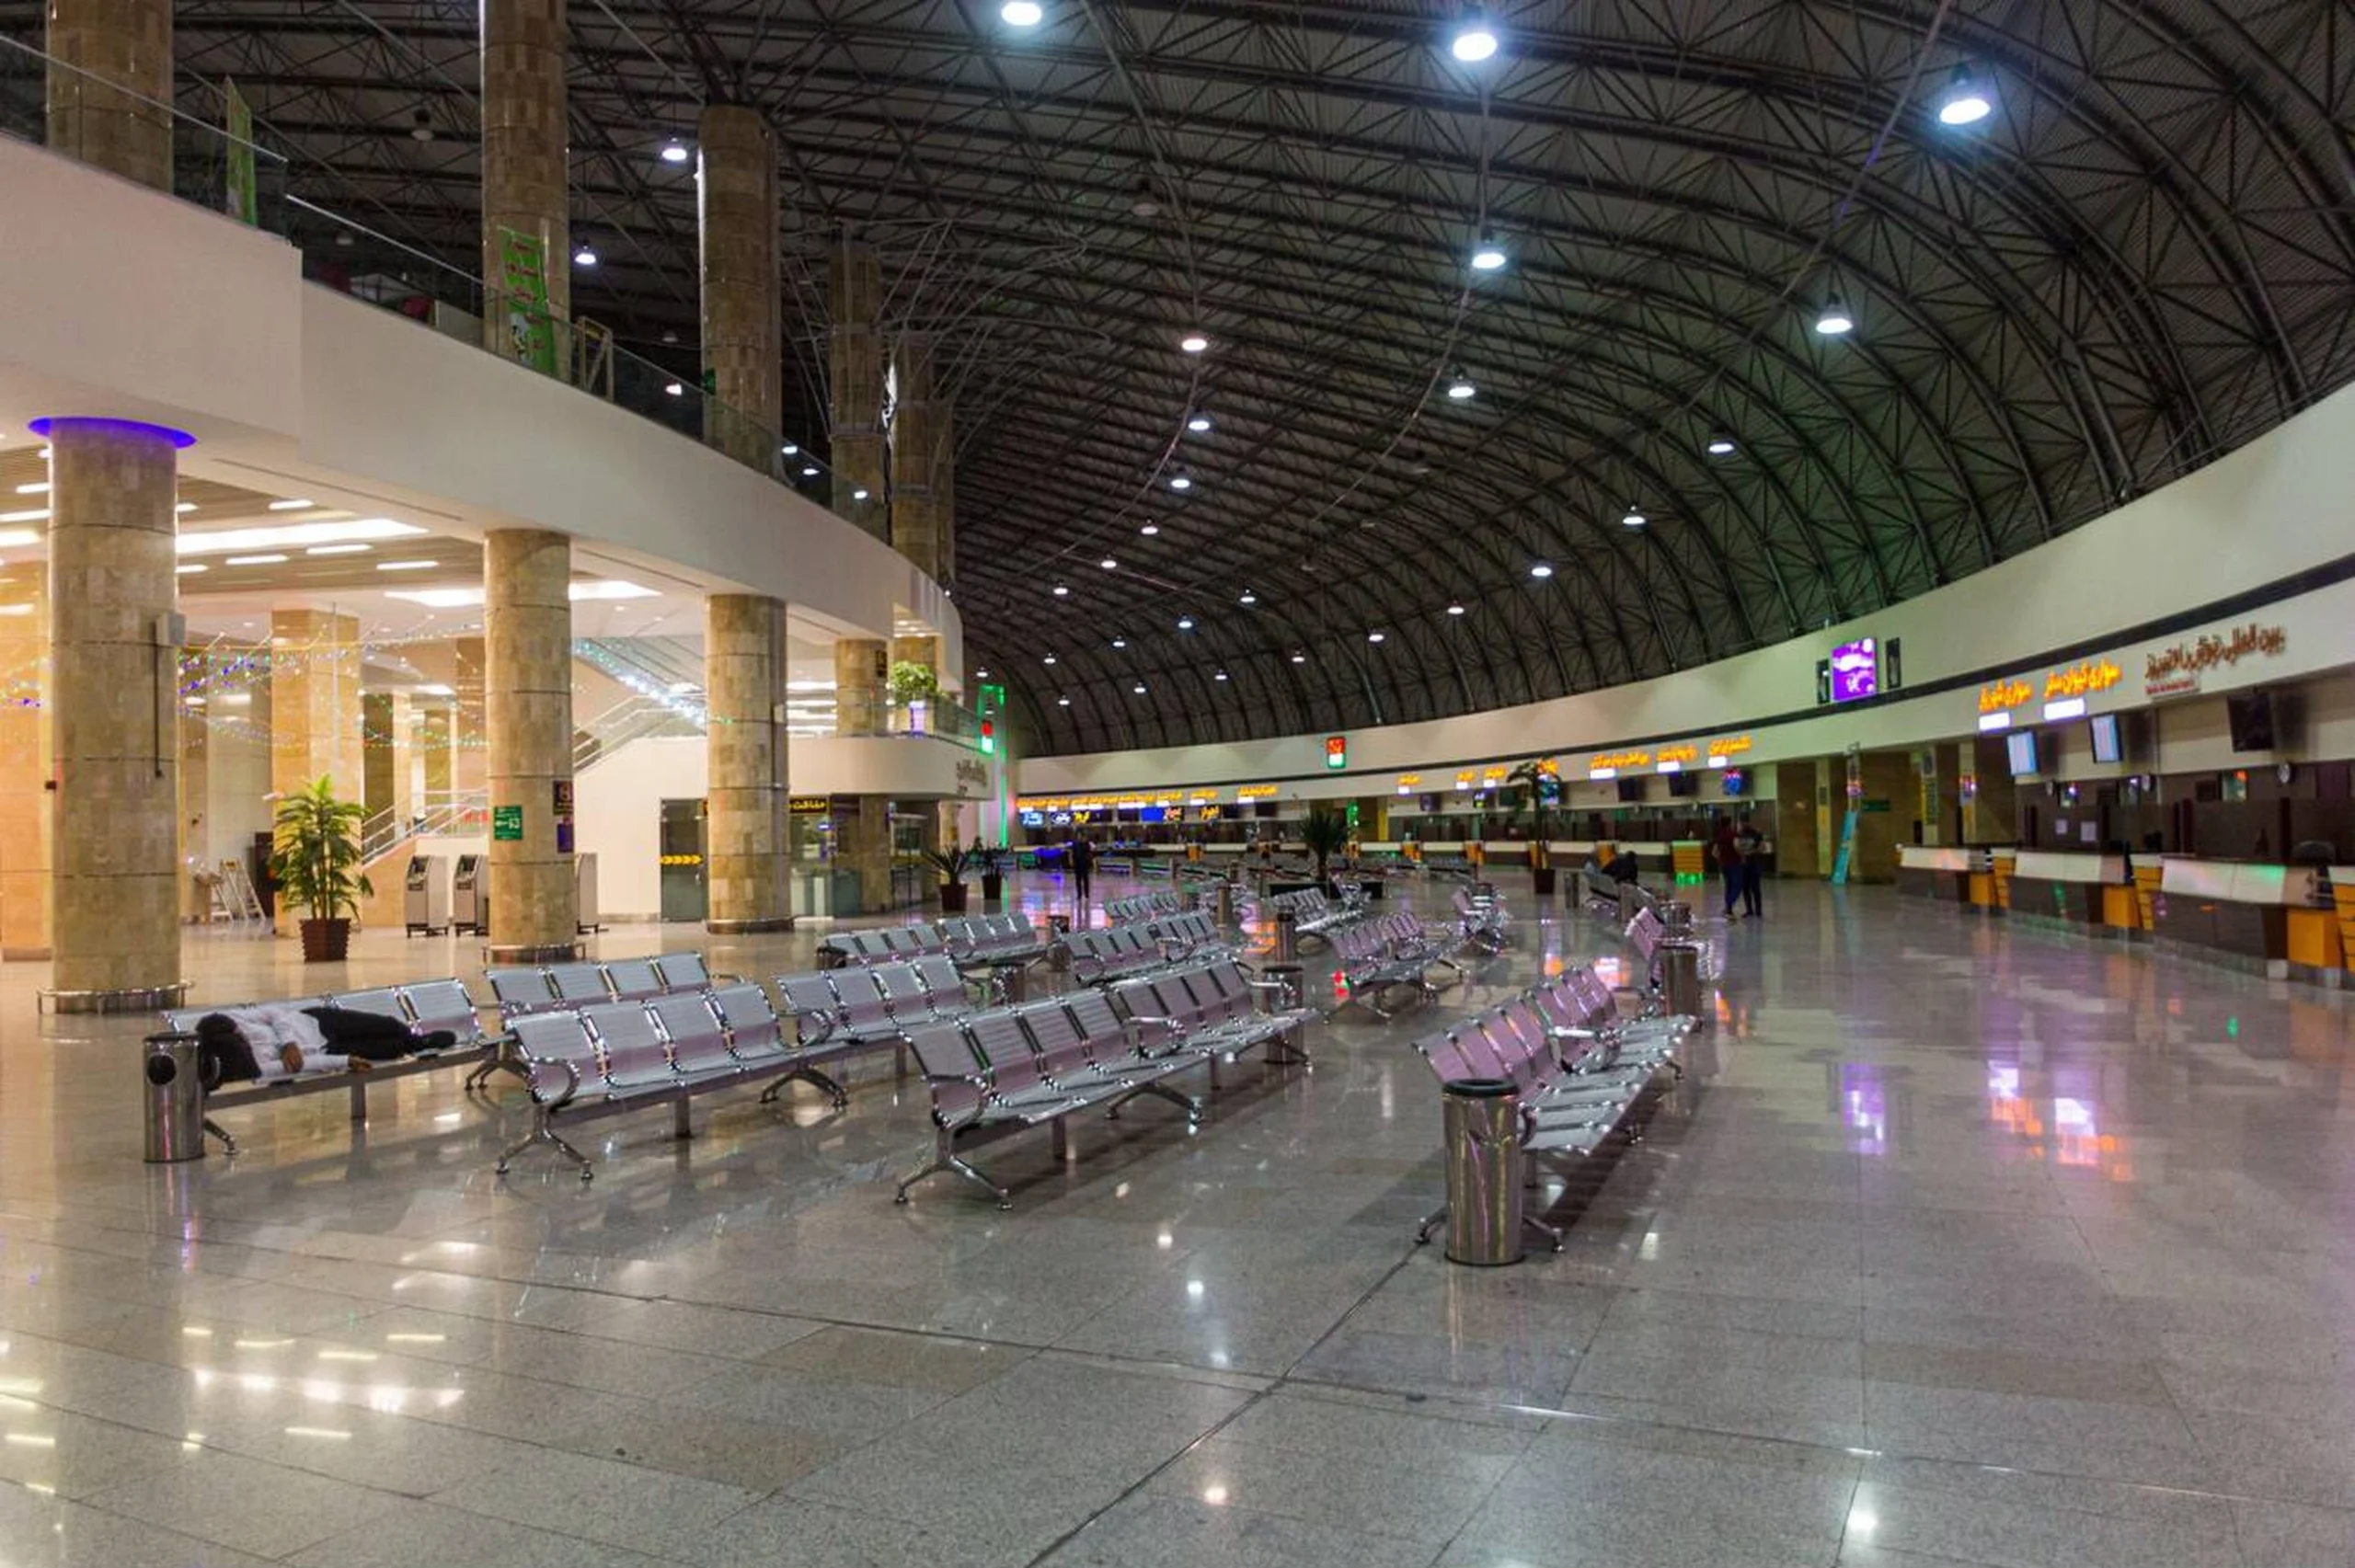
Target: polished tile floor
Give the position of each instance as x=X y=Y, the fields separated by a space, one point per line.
x=1962 y=1244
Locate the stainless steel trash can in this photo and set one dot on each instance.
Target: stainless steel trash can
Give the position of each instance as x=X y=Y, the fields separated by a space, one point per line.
x=1484 y=1193
x=1226 y=905
x=1679 y=979
x=1287 y=936
x=1676 y=916
x=1058 y=955
x=175 y=1100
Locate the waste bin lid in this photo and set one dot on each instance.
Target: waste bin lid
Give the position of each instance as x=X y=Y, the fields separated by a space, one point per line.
x=1481 y=1088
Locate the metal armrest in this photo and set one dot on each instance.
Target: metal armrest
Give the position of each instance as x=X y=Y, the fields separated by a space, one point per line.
x=828 y=1024
x=531 y=1085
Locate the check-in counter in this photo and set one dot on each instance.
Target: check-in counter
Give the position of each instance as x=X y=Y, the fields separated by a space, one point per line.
x=1939 y=871
x=2072 y=888
x=2243 y=910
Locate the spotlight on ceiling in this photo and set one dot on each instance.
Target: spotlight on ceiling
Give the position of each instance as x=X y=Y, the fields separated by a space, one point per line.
x=1300 y=659
x=1120 y=642
x=1180 y=482
x=1062 y=591
x=1456 y=608
x=675 y=151
x=1835 y=321
x=1048 y=660
x=1721 y=446
x=1150 y=529
x=1146 y=205
x=1185 y=622
x=1194 y=343
x=1200 y=424
x=1541 y=570
x=1487 y=256
x=1964 y=102
x=1063 y=701
x=1022 y=13
x=1248 y=598
x=858 y=495
x=1373 y=636
x=1138 y=688
x=1220 y=676
x=790 y=449
x=1109 y=564
x=1474 y=41
x=1634 y=520
x=1459 y=387
x=420 y=125
x=678 y=389
x=584 y=254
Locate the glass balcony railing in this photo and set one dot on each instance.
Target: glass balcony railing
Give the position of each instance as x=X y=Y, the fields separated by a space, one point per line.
x=249 y=180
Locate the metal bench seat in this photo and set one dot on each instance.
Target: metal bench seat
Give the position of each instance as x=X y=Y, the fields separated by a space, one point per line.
x=520 y=991
x=757 y=1038
x=633 y=979
x=1069 y=1058
x=966 y=1108
x=683 y=971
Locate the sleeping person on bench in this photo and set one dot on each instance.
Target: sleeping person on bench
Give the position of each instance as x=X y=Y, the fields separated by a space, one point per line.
x=273 y=1040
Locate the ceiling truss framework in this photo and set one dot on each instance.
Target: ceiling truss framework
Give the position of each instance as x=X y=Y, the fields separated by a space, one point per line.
x=2143 y=258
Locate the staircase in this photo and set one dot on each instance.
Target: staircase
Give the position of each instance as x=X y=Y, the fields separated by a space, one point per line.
x=664 y=677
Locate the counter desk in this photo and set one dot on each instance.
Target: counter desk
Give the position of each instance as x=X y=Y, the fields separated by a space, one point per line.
x=1939 y=871
x=2266 y=917
x=2078 y=890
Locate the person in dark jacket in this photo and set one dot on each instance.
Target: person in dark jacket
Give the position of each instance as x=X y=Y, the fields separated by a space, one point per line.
x=1083 y=861
x=1728 y=856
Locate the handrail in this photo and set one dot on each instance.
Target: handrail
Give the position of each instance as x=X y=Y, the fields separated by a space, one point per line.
x=381 y=833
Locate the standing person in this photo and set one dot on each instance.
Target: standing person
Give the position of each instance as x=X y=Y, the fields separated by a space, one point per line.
x=1748 y=841
x=1083 y=861
x=1727 y=850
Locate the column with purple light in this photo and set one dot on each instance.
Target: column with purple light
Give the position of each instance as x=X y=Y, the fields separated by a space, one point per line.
x=113 y=712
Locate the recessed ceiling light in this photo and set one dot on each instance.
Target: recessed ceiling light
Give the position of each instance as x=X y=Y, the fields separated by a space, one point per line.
x=1048 y=660
x=1063 y=701
x=1181 y=483
x=1300 y=659
x=675 y=151
x=37 y=488
x=252 y=560
x=1185 y=622
x=1194 y=343
x=585 y=257
x=293 y=506
x=1248 y=598
x=1455 y=610
x=1721 y=446
x=1541 y=570
x=1633 y=520
x=1022 y=13
x=980 y=674
x=1220 y=676
x=1062 y=591
x=338 y=549
x=808 y=470
x=1138 y=688
x=406 y=566
x=1109 y=564
x=226 y=541
x=1373 y=636
x=190 y=568
x=184 y=508
x=1120 y=642
x=1199 y=424
x=1150 y=529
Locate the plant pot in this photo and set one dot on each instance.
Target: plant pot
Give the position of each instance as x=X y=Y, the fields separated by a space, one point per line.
x=993 y=888
x=952 y=897
x=326 y=941
x=1543 y=877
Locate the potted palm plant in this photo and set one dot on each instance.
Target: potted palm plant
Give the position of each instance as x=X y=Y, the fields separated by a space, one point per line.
x=1324 y=835
x=952 y=864
x=1531 y=781
x=992 y=861
x=315 y=857
x=911 y=686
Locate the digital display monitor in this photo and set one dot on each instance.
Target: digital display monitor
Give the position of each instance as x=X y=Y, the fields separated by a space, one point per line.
x=1430 y=805
x=1681 y=785
x=2022 y=748
x=1034 y=819
x=1732 y=782
x=1152 y=813
x=1855 y=670
x=2110 y=747
x=2249 y=715
x=1631 y=790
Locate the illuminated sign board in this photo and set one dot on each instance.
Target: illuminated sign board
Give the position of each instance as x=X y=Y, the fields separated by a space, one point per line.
x=1256 y=792
x=1608 y=765
x=2177 y=668
x=1337 y=752
x=2080 y=679
x=1724 y=750
x=809 y=803
x=1466 y=779
x=1855 y=670
x=2004 y=695
x=1407 y=783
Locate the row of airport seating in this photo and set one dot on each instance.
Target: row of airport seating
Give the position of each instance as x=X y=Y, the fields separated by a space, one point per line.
x=978 y=941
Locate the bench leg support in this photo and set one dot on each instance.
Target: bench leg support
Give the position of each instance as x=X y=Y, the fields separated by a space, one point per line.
x=1431 y=1222
x=1191 y=1107
x=811 y=1076
x=228 y=1144
x=359 y=1099
x=944 y=1159
x=679 y=1127
x=543 y=1133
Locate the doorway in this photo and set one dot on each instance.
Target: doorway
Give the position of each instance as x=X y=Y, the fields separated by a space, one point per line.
x=685 y=894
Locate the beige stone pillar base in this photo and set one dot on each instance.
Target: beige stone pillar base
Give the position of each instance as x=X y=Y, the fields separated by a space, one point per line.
x=528 y=631
x=749 y=854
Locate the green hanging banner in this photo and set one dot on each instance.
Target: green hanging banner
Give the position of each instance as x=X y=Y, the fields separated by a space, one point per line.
x=242 y=199
x=530 y=335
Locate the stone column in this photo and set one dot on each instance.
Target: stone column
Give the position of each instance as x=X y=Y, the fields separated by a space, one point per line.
x=743 y=352
x=25 y=770
x=863 y=844
x=1989 y=813
x=861 y=666
x=920 y=457
x=114 y=701
x=1884 y=816
x=747 y=860
x=385 y=751
x=195 y=802
x=434 y=724
x=469 y=742
x=525 y=154
x=110 y=79
x=1793 y=821
x=854 y=384
x=528 y=622
x=315 y=710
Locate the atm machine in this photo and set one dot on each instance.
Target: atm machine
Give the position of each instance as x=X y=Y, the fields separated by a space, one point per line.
x=426 y=897
x=470 y=896
x=585 y=893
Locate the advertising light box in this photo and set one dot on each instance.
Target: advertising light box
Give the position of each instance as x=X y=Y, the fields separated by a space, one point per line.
x=1855 y=670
